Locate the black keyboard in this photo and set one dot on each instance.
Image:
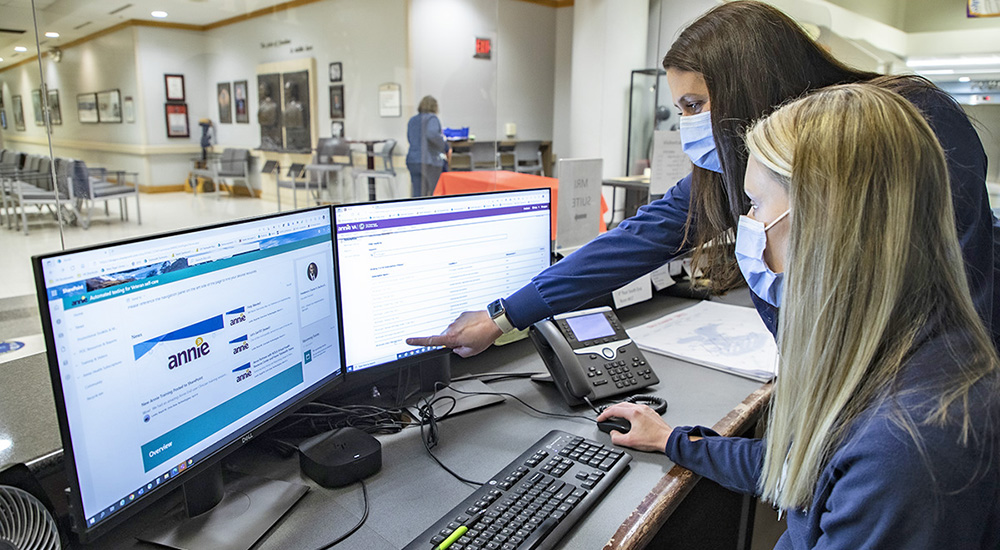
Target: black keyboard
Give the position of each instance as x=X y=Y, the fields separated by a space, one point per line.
x=533 y=501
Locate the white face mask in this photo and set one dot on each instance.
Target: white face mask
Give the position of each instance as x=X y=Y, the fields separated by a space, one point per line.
x=751 y=239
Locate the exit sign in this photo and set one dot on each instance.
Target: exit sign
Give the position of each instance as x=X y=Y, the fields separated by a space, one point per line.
x=484 y=46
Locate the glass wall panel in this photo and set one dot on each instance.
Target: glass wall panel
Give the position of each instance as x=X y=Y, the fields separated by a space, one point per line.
x=210 y=111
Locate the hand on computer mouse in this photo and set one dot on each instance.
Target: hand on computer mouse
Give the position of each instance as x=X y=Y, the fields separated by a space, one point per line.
x=648 y=431
x=468 y=335
x=614 y=423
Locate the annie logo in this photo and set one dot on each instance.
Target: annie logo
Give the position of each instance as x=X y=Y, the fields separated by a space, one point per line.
x=199 y=350
x=238 y=319
x=243 y=372
x=240 y=344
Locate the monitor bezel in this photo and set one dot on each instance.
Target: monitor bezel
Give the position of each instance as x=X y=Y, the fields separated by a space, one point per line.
x=78 y=520
x=381 y=370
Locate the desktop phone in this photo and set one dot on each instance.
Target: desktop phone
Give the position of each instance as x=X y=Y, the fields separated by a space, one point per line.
x=589 y=354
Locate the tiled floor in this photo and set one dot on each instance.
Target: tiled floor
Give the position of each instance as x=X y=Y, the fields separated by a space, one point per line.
x=160 y=212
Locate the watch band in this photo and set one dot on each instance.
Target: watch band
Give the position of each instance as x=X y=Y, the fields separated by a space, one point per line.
x=498 y=312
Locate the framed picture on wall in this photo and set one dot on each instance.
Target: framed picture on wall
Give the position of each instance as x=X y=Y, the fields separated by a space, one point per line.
x=336 y=72
x=3 y=119
x=225 y=99
x=109 y=106
x=337 y=101
x=337 y=128
x=177 y=120
x=175 y=86
x=55 y=109
x=240 y=102
x=36 y=103
x=390 y=102
x=86 y=108
x=18 y=108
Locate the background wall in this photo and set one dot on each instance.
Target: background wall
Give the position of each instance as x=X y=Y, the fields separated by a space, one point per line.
x=105 y=63
x=526 y=69
x=986 y=119
x=442 y=40
x=368 y=38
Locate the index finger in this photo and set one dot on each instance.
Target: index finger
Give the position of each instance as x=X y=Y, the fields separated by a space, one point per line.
x=426 y=341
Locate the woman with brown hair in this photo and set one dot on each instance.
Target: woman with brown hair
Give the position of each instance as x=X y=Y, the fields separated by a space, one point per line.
x=738 y=62
x=884 y=428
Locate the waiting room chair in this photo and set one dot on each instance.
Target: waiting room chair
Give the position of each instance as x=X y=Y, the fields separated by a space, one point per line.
x=298 y=179
x=461 y=158
x=387 y=172
x=484 y=156
x=528 y=157
x=39 y=190
x=234 y=165
x=333 y=156
x=92 y=184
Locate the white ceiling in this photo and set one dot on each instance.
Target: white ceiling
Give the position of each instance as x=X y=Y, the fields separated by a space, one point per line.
x=74 y=19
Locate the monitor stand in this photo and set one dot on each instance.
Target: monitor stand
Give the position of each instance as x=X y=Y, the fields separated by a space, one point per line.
x=230 y=516
x=434 y=370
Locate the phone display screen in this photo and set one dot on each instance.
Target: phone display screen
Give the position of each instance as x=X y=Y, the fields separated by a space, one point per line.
x=588 y=327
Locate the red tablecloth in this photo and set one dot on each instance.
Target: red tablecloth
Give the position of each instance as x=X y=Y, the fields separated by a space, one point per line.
x=457 y=183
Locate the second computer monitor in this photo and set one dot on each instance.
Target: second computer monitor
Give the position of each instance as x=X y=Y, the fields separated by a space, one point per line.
x=410 y=267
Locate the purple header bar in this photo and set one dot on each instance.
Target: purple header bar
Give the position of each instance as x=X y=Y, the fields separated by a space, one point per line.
x=369 y=225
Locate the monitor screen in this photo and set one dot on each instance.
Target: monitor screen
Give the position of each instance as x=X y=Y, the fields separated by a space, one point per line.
x=410 y=267
x=168 y=349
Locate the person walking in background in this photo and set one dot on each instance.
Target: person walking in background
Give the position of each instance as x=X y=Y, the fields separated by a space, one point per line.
x=426 y=158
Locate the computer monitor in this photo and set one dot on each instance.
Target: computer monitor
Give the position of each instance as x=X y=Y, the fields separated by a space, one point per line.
x=168 y=352
x=410 y=267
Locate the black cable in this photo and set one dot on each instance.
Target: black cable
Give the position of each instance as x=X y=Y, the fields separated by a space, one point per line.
x=516 y=398
x=430 y=440
x=364 y=517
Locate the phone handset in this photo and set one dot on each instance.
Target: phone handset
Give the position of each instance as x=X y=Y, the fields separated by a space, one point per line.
x=562 y=363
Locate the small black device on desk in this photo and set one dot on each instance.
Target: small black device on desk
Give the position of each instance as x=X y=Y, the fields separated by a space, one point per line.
x=589 y=355
x=533 y=501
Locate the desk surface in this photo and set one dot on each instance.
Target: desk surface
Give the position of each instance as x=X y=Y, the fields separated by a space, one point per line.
x=411 y=491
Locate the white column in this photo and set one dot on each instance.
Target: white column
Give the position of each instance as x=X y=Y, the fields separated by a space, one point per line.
x=609 y=41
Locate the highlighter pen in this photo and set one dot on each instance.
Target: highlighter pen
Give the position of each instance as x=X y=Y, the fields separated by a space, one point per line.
x=458 y=533
x=452 y=538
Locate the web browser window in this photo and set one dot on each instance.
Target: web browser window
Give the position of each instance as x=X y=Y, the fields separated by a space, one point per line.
x=409 y=268
x=169 y=348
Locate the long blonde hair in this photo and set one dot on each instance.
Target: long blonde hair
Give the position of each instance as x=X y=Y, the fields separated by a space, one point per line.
x=873 y=258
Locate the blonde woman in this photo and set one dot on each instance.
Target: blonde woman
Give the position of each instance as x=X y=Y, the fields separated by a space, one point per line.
x=883 y=430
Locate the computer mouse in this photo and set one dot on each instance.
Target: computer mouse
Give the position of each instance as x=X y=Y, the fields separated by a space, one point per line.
x=614 y=423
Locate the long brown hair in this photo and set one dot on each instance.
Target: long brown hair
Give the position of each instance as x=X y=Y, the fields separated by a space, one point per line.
x=754 y=58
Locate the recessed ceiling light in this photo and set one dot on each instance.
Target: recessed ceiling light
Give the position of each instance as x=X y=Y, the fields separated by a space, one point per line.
x=51 y=34
x=20 y=49
x=158 y=13
x=964 y=79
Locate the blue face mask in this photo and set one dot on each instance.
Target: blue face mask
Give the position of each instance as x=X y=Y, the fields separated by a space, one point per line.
x=751 y=239
x=698 y=143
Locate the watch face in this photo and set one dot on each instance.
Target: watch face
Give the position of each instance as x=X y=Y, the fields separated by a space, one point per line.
x=495 y=309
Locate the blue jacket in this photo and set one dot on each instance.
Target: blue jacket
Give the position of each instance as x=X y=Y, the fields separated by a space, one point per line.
x=655 y=235
x=878 y=490
x=426 y=140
